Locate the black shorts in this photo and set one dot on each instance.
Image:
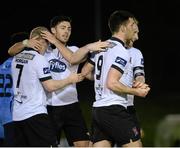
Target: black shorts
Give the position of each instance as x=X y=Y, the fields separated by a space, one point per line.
x=34 y=131
x=70 y=119
x=115 y=124
x=9 y=134
x=132 y=111
x=1 y=142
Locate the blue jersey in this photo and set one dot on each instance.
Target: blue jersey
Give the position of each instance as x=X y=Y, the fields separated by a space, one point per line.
x=6 y=92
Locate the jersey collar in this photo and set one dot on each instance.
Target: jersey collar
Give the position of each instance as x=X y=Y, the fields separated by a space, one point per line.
x=118 y=40
x=29 y=49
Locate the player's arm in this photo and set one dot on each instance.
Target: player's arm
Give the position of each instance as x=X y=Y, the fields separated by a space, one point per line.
x=115 y=85
x=88 y=71
x=74 y=57
x=66 y=52
x=138 y=70
x=140 y=79
x=51 y=85
x=140 y=82
x=16 y=48
x=81 y=54
x=19 y=46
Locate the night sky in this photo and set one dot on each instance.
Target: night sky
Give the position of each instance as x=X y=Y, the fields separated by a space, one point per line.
x=158 y=38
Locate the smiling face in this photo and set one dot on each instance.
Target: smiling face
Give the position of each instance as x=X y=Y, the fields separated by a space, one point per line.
x=129 y=43
x=130 y=29
x=62 y=31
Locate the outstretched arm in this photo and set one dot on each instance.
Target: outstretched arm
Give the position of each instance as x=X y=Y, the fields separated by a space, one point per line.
x=53 y=85
x=81 y=54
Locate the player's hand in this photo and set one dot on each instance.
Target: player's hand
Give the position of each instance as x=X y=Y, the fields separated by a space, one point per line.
x=75 y=78
x=142 y=92
x=49 y=36
x=97 y=46
x=34 y=43
x=137 y=84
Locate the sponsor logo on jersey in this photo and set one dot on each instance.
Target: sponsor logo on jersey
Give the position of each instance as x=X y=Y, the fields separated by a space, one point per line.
x=27 y=56
x=46 y=70
x=57 y=66
x=121 y=61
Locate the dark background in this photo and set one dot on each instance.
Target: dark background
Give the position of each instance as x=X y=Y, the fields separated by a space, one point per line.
x=158 y=37
x=158 y=40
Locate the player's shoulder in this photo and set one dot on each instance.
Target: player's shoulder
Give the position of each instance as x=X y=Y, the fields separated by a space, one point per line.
x=7 y=63
x=31 y=55
x=9 y=60
x=135 y=51
x=118 y=52
x=39 y=61
x=39 y=57
x=115 y=47
x=114 y=44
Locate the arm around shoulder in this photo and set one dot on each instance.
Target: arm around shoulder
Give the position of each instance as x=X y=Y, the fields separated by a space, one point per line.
x=16 y=48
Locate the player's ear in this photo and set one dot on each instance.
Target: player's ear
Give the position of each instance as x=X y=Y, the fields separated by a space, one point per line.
x=123 y=28
x=53 y=30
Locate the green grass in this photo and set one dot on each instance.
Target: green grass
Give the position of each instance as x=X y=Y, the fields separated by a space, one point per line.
x=152 y=110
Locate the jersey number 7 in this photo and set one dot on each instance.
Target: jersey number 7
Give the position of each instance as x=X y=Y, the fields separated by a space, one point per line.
x=20 y=67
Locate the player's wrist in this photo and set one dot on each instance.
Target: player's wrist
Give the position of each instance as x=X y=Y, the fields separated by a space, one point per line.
x=88 y=48
x=25 y=42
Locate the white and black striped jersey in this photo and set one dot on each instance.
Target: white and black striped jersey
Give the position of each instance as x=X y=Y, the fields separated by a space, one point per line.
x=117 y=57
x=29 y=68
x=61 y=69
x=135 y=68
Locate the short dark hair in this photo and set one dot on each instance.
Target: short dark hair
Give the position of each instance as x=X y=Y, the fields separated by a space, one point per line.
x=117 y=18
x=58 y=19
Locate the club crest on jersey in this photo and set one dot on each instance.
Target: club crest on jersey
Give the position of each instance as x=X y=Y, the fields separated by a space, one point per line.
x=121 y=61
x=57 y=66
x=46 y=70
